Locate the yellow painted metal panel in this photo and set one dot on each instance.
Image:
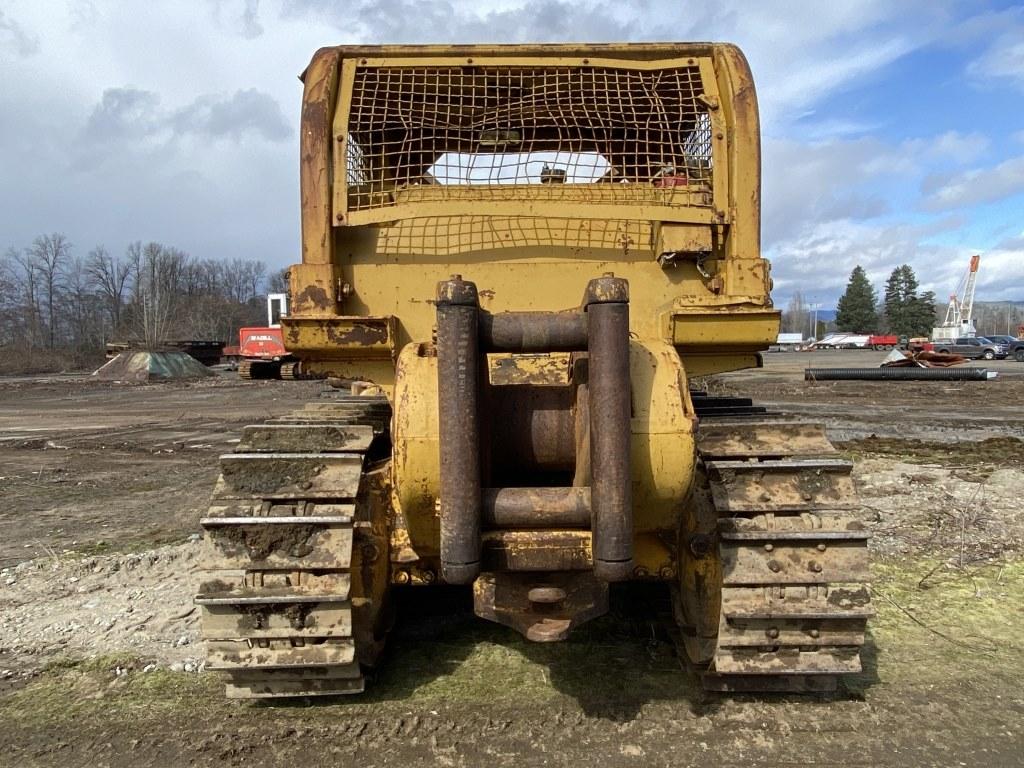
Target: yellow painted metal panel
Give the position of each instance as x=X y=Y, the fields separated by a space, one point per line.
x=318 y=102
x=486 y=60
x=579 y=209
x=723 y=329
x=342 y=338
x=341 y=143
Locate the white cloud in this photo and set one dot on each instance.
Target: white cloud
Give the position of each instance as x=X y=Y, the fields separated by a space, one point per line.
x=960 y=147
x=799 y=51
x=824 y=255
x=157 y=121
x=833 y=128
x=82 y=14
x=130 y=121
x=246 y=112
x=855 y=178
x=948 y=191
x=1015 y=243
x=823 y=181
x=241 y=17
x=788 y=96
x=15 y=41
x=1003 y=60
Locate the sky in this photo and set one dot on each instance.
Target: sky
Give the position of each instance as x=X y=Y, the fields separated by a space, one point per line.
x=892 y=132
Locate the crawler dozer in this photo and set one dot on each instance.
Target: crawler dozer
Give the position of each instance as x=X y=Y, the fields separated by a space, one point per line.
x=516 y=262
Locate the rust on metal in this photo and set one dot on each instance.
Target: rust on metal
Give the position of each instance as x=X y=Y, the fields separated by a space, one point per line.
x=314 y=296
x=787 y=661
x=606 y=289
x=807 y=524
x=543 y=607
x=800 y=601
x=459 y=372
x=546 y=594
x=537 y=550
x=533 y=331
x=265 y=621
x=292 y=582
x=549 y=369
x=278 y=654
x=315 y=152
x=343 y=337
x=510 y=460
x=532 y=430
x=610 y=412
x=536 y=508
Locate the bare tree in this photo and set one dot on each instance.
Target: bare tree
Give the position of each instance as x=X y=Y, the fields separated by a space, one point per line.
x=278 y=282
x=50 y=254
x=255 y=273
x=11 y=328
x=238 y=280
x=85 y=308
x=27 y=280
x=110 y=277
x=999 y=318
x=70 y=306
x=160 y=278
x=133 y=256
x=796 y=317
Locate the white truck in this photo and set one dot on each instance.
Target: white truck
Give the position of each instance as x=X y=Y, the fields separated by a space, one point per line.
x=789 y=342
x=843 y=341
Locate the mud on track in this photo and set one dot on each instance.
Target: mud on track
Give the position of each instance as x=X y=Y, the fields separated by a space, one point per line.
x=133 y=466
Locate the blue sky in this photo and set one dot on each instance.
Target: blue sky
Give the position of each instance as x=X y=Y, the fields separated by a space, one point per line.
x=921 y=156
x=893 y=132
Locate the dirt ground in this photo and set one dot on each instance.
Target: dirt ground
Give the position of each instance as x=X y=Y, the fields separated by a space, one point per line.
x=100 y=662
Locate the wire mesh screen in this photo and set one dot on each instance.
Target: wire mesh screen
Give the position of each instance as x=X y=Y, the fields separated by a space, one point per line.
x=448 y=236
x=575 y=133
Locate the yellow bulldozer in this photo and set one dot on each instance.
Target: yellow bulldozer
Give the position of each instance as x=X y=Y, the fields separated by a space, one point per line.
x=515 y=262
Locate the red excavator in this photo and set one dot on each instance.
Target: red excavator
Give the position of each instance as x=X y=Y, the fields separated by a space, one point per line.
x=262 y=351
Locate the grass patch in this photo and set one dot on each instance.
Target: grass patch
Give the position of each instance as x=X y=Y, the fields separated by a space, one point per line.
x=955 y=628
x=937 y=624
x=78 y=689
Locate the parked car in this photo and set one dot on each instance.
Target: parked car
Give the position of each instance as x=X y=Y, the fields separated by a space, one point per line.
x=1014 y=346
x=972 y=347
x=1008 y=341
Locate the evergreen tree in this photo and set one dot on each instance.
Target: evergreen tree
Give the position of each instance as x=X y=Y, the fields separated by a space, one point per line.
x=856 y=311
x=906 y=313
x=921 y=317
x=900 y=292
